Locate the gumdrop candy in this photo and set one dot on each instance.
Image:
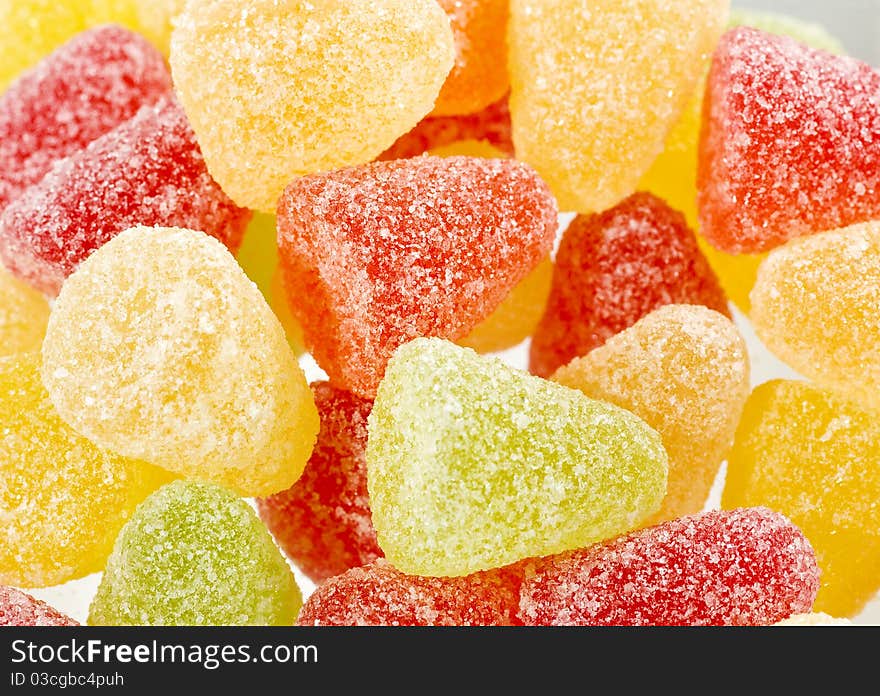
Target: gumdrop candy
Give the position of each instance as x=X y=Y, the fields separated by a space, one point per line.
x=813 y=619
x=277 y=90
x=815 y=306
x=83 y=90
x=517 y=317
x=147 y=171
x=380 y=595
x=156 y=20
x=160 y=348
x=18 y=608
x=749 y=566
x=479 y=76
x=815 y=457
x=468 y=148
x=790 y=143
x=323 y=521
x=23 y=316
x=684 y=370
x=490 y=126
x=596 y=88
x=195 y=554
x=62 y=500
x=473 y=465
x=280 y=305
x=614 y=268
x=377 y=255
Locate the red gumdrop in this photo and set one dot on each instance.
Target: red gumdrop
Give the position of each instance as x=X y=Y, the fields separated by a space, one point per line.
x=323 y=521
x=491 y=125
x=377 y=255
x=380 y=595
x=147 y=171
x=790 y=143
x=612 y=269
x=743 y=567
x=84 y=89
x=20 y=609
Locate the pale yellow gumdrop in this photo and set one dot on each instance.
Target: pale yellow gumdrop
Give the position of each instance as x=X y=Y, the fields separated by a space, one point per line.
x=813 y=619
x=62 y=499
x=815 y=305
x=596 y=87
x=517 y=317
x=276 y=89
x=23 y=316
x=160 y=348
x=684 y=369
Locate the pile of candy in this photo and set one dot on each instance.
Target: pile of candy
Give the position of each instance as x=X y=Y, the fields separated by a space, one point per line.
x=195 y=193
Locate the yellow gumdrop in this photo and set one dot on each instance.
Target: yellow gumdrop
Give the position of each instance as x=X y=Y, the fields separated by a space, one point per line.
x=155 y=19
x=279 y=304
x=276 y=89
x=673 y=176
x=813 y=619
x=62 y=500
x=23 y=316
x=814 y=306
x=468 y=148
x=815 y=457
x=159 y=348
x=684 y=369
x=517 y=317
x=596 y=87
x=258 y=253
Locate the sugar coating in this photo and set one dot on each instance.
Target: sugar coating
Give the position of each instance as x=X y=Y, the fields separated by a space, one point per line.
x=809 y=33
x=614 y=268
x=159 y=348
x=815 y=306
x=491 y=125
x=23 y=316
x=156 y=20
x=517 y=317
x=790 y=144
x=684 y=369
x=84 y=89
x=62 y=500
x=473 y=465
x=479 y=76
x=276 y=89
x=744 y=567
x=596 y=87
x=20 y=609
x=813 y=619
x=380 y=595
x=195 y=554
x=146 y=171
x=377 y=255
x=815 y=457
x=323 y=521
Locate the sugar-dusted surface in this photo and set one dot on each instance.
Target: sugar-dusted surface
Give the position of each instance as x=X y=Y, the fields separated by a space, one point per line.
x=742 y=567
x=160 y=348
x=596 y=87
x=479 y=76
x=146 y=171
x=277 y=89
x=377 y=255
x=62 y=500
x=614 y=268
x=323 y=521
x=195 y=554
x=23 y=316
x=517 y=317
x=813 y=619
x=380 y=595
x=790 y=144
x=684 y=369
x=491 y=125
x=20 y=609
x=87 y=87
x=473 y=465
x=815 y=457
x=673 y=176
x=815 y=306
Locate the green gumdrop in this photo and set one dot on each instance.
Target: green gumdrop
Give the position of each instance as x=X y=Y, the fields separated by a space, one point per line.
x=195 y=554
x=473 y=465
